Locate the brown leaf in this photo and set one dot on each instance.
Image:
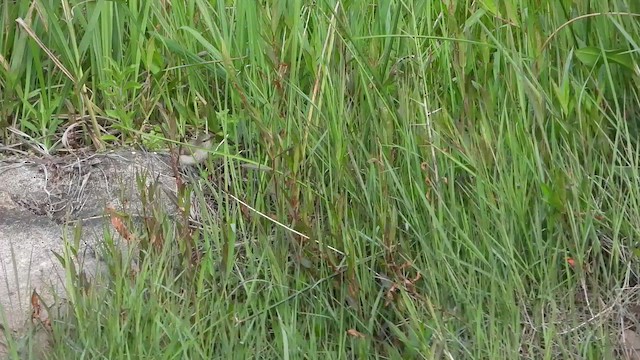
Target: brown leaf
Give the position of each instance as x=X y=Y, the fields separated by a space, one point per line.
x=391 y=294
x=36 y=309
x=118 y=224
x=154 y=229
x=133 y=273
x=410 y=284
x=355 y=333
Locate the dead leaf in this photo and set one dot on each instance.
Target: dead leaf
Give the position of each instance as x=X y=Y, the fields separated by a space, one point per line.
x=133 y=273
x=355 y=333
x=353 y=285
x=118 y=224
x=155 y=232
x=36 y=309
x=390 y=296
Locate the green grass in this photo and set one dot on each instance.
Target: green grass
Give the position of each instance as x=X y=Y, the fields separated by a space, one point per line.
x=441 y=160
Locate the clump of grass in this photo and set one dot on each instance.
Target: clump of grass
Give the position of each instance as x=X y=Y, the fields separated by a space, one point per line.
x=429 y=169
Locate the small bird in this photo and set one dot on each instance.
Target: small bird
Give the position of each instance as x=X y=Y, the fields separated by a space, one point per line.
x=197 y=152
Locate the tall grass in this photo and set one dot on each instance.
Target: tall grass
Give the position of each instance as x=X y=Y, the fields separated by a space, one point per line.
x=431 y=167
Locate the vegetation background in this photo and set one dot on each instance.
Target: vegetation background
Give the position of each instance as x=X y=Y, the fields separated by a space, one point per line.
x=395 y=179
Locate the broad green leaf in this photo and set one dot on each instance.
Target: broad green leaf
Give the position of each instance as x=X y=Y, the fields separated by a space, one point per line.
x=474 y=19
x=593 y=56
x=589 y=55
x=490 y=6
x=512 y=13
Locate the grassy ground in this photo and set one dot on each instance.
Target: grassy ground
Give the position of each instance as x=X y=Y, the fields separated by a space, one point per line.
x=429 y=169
